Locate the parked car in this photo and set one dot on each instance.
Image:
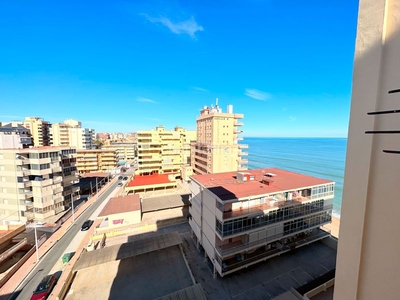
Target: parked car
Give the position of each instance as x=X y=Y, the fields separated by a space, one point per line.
x=120 y=184
x=120 y=177
x=86 y=225
x=125 y=178
x=45 y=287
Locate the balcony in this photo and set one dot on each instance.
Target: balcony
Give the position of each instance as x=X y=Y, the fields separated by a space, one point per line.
x=242 y=146
x=243 y=153
x=238 y=124
x=236 y=247
x=243 y=161
x=256 y=223
x=238 y=138
x=237 y=131
x=282 y=246
x=42 y=183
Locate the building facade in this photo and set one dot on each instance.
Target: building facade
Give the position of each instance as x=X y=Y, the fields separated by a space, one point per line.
x=71 y=133
x=368 y=258
x=125 y=151
x=36 y=183
x=40 y=130
x=100 y=160
x=15 y=136
x=163 y=151
x=217 y=147
x=242 y=218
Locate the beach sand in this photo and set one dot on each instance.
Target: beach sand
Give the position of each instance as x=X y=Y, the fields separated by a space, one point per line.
x=333 y=227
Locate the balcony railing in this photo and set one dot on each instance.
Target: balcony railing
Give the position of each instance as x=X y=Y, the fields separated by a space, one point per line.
x=307 y=212
x=254 y=257
x=243 y=146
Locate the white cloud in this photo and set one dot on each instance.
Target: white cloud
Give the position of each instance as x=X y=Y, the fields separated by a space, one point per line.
x=199 y=89
x=145 y=100
x=258 y=95
x=292 y=119
x=189 y=27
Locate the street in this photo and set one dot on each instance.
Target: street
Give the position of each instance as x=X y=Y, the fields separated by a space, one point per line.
x=25 y=289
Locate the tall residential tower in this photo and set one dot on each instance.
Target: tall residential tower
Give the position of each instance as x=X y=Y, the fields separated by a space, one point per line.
x=217 y=147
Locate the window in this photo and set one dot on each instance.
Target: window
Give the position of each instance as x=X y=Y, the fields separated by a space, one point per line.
x=4 y=179
x=4 y=190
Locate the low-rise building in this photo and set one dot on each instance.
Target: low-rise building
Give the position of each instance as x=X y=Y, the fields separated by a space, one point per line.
x=242 y=218
x=155 y=183
x=100 y=160
x=120 y=212
x=36 y=183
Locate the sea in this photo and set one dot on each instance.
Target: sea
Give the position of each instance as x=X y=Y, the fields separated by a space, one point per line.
x=318 y=157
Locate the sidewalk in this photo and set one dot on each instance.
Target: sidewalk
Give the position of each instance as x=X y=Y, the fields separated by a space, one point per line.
x=30 y=264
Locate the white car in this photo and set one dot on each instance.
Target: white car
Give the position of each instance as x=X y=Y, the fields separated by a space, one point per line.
x=120 y=184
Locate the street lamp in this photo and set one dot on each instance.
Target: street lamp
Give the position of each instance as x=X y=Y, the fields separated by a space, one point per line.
x=72 y=204
x=37 y=246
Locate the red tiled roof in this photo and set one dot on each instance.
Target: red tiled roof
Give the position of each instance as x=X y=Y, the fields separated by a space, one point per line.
x=151 y=179
x=121 y=204
x=226 y=186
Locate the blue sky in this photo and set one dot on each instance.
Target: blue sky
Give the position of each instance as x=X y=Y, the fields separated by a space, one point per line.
x=132 y=65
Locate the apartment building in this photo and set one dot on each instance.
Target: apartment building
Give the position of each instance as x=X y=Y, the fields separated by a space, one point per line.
x=125 y=151
x=71 y=133
x=40 y=130
x=217 y=147
x=242 y=218
x=14 y=135
x=36 y=183
x=368 y=258
x=100 y=160
x=163 y=151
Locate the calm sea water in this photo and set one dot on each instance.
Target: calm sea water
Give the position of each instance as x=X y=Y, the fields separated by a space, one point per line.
x=319 y=157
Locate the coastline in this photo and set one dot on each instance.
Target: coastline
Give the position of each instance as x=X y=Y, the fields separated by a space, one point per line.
x=333 y=226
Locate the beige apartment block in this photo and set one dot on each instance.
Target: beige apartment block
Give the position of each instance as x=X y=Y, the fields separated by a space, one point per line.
x=100 y=160
x=163 y=151
x=125 y=151
x=40 y=130
x=217 y=147
x=368 y=260
x=36 y=183
x=71 y=133
x=243 y=218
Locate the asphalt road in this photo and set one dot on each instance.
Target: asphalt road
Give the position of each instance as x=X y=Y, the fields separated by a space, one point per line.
x=26 y=288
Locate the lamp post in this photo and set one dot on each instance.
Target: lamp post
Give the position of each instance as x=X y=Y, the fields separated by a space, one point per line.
x=36 y=244
x=72 y=205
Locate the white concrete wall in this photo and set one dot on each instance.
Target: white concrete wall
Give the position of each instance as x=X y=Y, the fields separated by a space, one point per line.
x=368 y=261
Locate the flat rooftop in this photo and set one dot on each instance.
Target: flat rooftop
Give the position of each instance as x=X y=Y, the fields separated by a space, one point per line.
x=153 y=179
x=164 y=202
x=265 y=280
x=121 y=204
x=148 y=267
x=228 y=186
x=127 y=250
x=147 y=276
